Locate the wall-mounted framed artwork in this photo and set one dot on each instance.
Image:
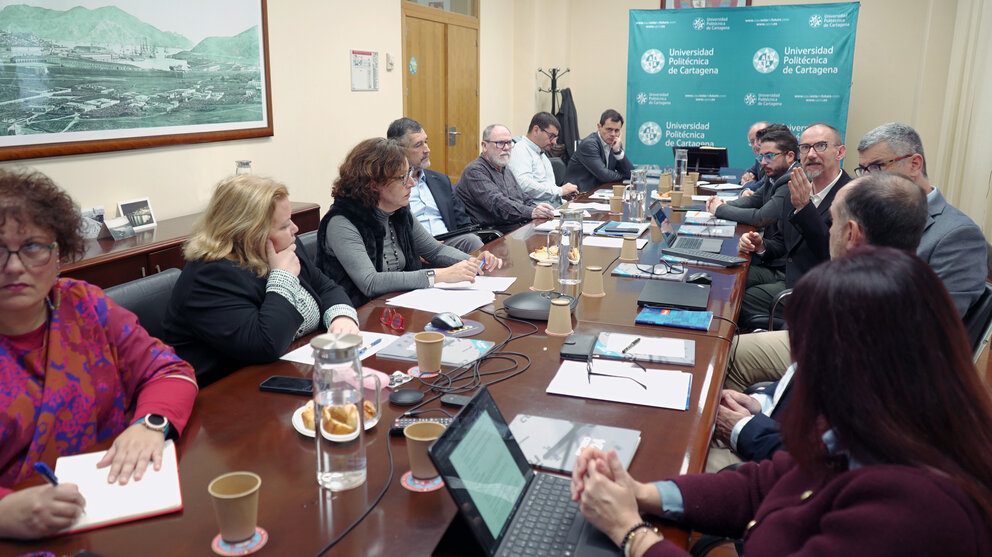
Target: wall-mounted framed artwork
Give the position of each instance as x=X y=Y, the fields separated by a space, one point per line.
x=676 y=4
x=108 y=75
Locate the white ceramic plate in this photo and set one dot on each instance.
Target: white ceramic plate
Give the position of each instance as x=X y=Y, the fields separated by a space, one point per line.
x=299 y=426
x=533 y=255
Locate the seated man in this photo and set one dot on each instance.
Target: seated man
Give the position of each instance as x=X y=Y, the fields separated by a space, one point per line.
x=801 y=235
x=531 y=166
x=950 y=243
x=882 y=209
x=758 y=210
x=490 y=193
x=600 y=159
x=751 y=179
x=432 y=200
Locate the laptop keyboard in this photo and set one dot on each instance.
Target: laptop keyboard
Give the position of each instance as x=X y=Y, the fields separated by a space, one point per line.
x=542 y=524
x=688 y=243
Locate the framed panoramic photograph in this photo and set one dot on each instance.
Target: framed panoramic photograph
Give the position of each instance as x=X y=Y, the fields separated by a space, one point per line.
x=86 y=76
x=139 y=213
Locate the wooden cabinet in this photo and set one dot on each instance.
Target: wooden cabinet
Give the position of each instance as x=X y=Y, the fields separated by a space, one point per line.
x=108 y=263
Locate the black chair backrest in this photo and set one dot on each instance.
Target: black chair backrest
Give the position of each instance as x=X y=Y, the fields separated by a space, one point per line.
x=147 y=297
x=979 y=317
x=558 y=165
x=309 y=241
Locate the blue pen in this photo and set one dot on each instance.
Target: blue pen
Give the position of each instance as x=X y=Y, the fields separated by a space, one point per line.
x=46 y=472
x=364 y=350
x=482 y=263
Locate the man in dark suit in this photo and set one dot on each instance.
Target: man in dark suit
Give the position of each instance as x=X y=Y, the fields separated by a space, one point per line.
x=432 y=200
x=884 y=209
x=600 y=157
x=801 y=234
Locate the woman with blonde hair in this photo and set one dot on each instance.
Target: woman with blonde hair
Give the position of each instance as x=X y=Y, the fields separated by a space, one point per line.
x=248 y=289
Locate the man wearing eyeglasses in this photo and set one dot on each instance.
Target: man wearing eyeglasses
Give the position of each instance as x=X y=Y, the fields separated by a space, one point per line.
x=752 y=177
x=802 y=234
x=432 y=199
x=952 y=243
x=600 y=159
x=491 y=194
x=778 y=153
x=531 y=166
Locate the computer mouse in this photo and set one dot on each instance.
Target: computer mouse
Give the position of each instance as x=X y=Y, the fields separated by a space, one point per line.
x=699 y=278
x=447 y=321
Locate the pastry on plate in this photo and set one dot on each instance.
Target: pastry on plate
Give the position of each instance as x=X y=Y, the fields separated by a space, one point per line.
x=340 y=420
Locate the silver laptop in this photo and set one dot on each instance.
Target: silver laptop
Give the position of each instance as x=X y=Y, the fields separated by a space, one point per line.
x=510 y=508
x=710 y=245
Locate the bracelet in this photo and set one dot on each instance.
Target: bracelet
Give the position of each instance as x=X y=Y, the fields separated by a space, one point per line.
x=628 y=538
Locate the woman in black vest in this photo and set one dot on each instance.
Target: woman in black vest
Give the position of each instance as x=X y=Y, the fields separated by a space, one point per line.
x=369 y=242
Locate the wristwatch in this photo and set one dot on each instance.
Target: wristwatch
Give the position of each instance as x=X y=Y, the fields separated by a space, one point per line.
x=430 y=278
x=155 y=422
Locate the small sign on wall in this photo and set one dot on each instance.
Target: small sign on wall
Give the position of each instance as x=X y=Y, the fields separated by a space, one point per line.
x=364 y=71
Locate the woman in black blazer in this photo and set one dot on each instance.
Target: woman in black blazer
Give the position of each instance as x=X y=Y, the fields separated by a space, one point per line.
x=249 y=289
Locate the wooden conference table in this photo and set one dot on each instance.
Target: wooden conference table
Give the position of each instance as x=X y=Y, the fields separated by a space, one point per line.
x=237 y=427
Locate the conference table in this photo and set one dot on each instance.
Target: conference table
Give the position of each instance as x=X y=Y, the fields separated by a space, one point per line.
x=235 y=426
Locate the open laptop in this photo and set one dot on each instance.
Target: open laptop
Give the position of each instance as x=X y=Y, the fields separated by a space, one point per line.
x=503 y=500
x=669 y=238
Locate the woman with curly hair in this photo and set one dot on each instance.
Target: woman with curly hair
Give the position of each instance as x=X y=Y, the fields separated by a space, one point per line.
x=75 y=368
x=369 y=241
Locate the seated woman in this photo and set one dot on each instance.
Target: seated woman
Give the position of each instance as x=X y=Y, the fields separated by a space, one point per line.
x=249 y=289
x=76 y=369
x=888 y=432
x=369 y=241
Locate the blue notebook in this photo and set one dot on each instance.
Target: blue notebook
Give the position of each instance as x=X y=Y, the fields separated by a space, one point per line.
x=684 y=319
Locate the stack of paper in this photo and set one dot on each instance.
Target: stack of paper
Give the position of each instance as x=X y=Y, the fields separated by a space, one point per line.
x=620 y=381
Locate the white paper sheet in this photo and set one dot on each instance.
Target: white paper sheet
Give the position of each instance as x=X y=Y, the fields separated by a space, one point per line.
x=431 y=299
x=601 y=194
x=371 y=343
x=671 y=347
x=665 y=388
x=588 y=226
x=606 y=242
x=590 y=206
x=485 y=284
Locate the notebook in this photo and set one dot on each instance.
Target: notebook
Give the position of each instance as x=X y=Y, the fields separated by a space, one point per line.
x=678 y=295
x=455 y=352
x=157 y=492
x=554 y=444
x=496 y=490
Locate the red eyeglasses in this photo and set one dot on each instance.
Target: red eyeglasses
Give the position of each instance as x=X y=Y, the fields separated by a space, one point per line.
x=392 y=319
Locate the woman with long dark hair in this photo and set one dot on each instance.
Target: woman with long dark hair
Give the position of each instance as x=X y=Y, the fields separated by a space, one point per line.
x=889 y=433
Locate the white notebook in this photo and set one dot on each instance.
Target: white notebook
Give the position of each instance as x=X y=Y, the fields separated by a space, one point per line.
x=158 y=492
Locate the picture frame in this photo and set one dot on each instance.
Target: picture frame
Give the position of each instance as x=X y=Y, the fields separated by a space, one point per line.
x=679 y=4
x=138 y=213
x=157 y=74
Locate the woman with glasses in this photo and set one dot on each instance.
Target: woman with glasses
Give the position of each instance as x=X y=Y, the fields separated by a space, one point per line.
x=888 y=434
x=76 y=369
x=369 y=241
x=249 y=289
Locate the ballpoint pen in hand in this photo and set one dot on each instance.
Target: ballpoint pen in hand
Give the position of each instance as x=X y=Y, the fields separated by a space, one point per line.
x=48 y=474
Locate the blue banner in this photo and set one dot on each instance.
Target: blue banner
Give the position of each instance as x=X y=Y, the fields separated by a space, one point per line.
x=703 y=76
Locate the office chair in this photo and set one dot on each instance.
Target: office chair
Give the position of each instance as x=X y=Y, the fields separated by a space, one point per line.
x=309 y=241
x=147 y=297
x=773 y=321
x=558 y=165
x=978 y=321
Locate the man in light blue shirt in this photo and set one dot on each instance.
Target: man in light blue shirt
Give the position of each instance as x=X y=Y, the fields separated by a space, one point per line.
x=531 y=166
x=432 y=199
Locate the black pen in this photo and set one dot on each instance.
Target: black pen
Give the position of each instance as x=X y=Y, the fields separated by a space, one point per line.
x=631 y=345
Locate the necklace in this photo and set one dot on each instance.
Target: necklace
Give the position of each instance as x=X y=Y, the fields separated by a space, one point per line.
x=396 y=254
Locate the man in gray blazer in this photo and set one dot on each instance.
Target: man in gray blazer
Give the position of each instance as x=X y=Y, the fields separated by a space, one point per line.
x=952 y=245
x=600 y=157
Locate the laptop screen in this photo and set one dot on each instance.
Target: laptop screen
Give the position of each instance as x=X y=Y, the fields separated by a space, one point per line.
x=483 y=467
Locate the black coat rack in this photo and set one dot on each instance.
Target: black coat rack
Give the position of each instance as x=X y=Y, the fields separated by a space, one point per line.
x=554 y=74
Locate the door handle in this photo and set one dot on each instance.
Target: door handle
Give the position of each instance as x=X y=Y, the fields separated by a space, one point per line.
x=452 y=135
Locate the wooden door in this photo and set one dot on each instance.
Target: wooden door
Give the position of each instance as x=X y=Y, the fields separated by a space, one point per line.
x=463 y=98
x=441 y=83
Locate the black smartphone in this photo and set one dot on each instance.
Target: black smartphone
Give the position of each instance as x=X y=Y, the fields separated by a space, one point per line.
x=290 y=385
x=578 y=347
x=455 y=400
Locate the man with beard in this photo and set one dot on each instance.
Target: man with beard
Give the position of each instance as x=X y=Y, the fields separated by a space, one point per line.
x=432 y=200
x=752 y=176
x=778 y=154
x=531 y=166
x=801 y=234
x=491 y=194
